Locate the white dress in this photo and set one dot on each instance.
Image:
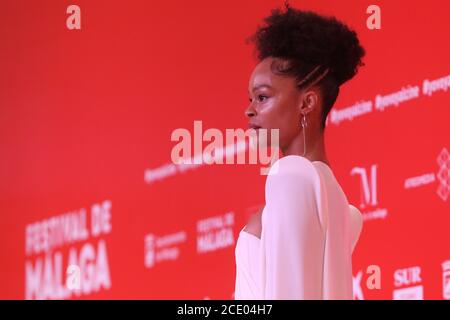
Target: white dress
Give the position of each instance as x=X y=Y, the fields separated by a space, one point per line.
x=309 y=231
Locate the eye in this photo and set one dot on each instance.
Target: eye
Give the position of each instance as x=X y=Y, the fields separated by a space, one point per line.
x=262 y=97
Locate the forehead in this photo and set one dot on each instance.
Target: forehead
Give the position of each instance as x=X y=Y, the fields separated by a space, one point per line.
x=263 y=75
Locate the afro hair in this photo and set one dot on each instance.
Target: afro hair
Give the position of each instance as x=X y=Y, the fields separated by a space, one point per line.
x=310 y=46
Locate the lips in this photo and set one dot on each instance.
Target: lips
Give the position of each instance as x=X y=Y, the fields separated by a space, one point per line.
x=253 y=126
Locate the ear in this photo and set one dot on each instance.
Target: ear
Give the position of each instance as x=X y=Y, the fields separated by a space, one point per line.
x=308 y=101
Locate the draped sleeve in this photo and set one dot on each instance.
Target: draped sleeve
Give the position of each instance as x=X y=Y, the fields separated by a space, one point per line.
x=356 y=224
x=292 y=236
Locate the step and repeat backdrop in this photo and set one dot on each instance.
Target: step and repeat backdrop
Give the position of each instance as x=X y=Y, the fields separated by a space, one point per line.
x=91 y=204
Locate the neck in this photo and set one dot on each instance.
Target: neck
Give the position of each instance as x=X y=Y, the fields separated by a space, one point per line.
x=315 y=147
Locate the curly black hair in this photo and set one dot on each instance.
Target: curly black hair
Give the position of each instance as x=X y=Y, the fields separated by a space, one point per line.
x=308 y=43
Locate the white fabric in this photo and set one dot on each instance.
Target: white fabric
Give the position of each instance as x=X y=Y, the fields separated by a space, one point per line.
x=309 y=231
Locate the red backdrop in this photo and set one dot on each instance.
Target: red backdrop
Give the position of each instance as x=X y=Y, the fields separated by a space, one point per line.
x=86 y=118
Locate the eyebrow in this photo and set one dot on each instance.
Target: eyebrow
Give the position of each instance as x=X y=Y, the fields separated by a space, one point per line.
x=261 y=86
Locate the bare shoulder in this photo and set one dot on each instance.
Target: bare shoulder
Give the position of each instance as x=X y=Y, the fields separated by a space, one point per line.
x=254 y=225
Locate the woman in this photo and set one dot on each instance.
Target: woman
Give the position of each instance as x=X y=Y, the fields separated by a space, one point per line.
x=300 y=245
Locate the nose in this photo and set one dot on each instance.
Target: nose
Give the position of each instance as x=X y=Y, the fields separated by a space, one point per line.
x=250 y=111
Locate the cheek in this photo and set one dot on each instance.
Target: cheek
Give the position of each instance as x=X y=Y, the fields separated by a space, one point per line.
x=280 y=114
x=288 y=132
x=287 y=128
x=288 y=122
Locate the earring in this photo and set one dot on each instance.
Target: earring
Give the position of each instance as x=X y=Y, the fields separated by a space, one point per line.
x=304 y=125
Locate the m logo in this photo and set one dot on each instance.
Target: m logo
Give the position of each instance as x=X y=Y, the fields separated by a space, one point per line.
x=368 y=185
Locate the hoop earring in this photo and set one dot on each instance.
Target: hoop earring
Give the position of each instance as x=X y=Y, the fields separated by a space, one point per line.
x=304 y=125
